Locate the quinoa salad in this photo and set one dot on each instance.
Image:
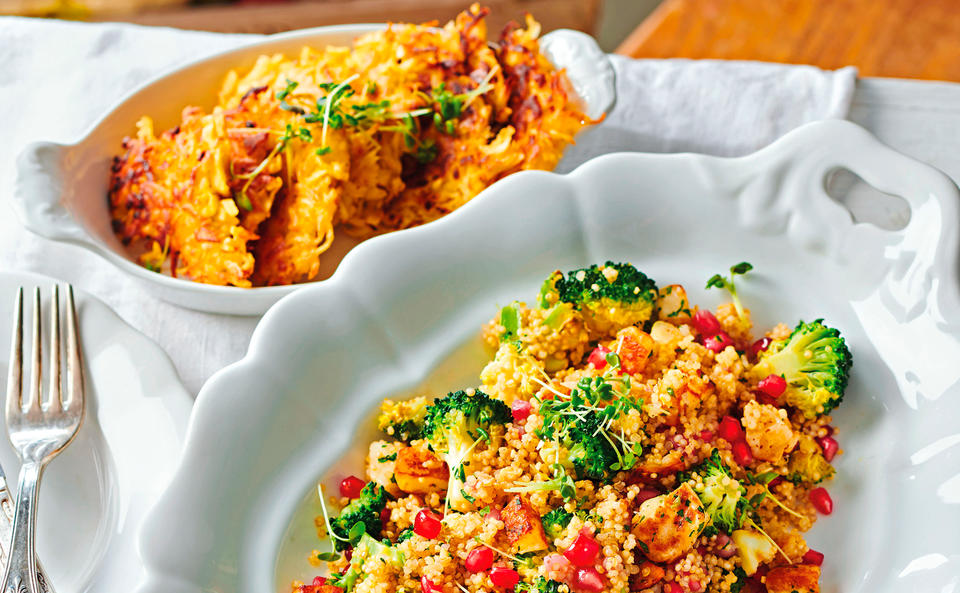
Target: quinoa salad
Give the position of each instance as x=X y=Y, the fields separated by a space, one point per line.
x=620 y=439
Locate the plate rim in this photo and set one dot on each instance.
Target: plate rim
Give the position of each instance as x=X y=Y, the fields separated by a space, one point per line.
x=117 y=331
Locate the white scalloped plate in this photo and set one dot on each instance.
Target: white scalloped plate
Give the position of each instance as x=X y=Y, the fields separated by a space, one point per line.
x=60 y=190
x=297 y=407
x=95 y=495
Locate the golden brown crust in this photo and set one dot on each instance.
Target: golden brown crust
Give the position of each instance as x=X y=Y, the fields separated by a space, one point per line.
x=668 y=525
x=802 y=578
x=239 y=196
x=419 y=471
x=522 y=526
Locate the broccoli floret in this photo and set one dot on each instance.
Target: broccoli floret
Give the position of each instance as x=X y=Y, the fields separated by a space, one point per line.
x=403 y=420
x=366 y=549
x=542 y=585
x=723 y=496
x=609 y=297
x=581 y=423
x=591 y=454
x=453 y=426
x=555 y=521
x=363 y=510
x=807 y=464
x=815 y=362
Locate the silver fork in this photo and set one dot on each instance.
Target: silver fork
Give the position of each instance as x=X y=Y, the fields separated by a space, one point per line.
x=39 y=429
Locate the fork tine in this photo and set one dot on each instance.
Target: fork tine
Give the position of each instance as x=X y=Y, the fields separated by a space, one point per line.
x=53 y=402
x=74 y=363
x=33 y=396
x=15 y=370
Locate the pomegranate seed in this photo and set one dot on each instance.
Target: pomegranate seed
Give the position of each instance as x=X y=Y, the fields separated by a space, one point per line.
x=730 y=429
x=830 y=447
x=742 y=454
x=813 y=557
x=774 y=481
x=479 y=559
x=588 y=579
x=672 y=588
x=351 y=486
x=759 y=346
x=718 y=342
x=320 y=581
x=821 y=501
x=504 y=577
x=694 y=585
x=646 y=494
x=765 y=399
x=521 y=409
x=427 y=586
x=427 y=524
x=706 y=323
x=583 y=551
x=706 y=436
x=384 y=515
x=773 y=385
x=598 y=358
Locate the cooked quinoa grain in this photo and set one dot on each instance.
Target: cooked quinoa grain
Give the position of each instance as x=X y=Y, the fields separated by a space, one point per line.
x=595 y=457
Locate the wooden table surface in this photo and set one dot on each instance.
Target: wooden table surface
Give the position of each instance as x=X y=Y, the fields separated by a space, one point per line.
x=896 y=38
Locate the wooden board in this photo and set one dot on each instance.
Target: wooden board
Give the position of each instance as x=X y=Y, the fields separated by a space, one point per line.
x=281 y=16
x=897 y=38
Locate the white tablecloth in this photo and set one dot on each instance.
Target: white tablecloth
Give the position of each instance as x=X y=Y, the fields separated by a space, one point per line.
x=57 y=78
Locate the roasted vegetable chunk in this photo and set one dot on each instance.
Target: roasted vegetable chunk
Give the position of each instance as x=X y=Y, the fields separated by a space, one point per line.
x=381 y=463
x=799 y=578
x=522 y=526
x=667 y=526
x=769 y=433
x=419 y=471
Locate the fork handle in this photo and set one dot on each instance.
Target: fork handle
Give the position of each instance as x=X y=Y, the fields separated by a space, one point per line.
x=21 y=573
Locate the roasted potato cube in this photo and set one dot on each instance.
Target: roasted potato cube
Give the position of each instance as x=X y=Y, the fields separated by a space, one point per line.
x=419 y=471
x=668 y=525
x=635 y=347
x=665 y=334
x=801 y=578
x=381 y=463
x=673 y=304
x=522 y=526
x=754 y=549
x=769 y=433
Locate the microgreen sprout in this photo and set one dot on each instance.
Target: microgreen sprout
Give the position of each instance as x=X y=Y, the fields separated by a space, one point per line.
x=332 y=554
x=723 y=282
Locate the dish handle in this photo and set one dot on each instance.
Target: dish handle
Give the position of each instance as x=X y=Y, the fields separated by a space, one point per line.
x=921 y=257
x=38 y=194
x=588 y=68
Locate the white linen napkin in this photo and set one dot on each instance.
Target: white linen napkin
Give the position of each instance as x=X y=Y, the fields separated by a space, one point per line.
x=57 y=78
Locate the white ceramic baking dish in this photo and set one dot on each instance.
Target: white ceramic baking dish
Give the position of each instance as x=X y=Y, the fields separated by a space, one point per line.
x=238 y=516
x=61 y=189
